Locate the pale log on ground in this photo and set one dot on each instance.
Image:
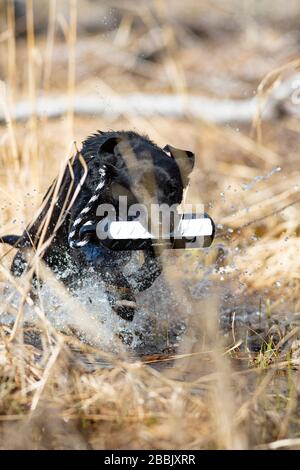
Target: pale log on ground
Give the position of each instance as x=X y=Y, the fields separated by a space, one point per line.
x=283 y=99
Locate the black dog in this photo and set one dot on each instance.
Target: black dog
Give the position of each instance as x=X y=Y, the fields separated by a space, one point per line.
x=110 y=164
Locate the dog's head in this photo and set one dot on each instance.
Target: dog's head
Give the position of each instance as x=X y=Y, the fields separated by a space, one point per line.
x=130 y=165
x=137 y=168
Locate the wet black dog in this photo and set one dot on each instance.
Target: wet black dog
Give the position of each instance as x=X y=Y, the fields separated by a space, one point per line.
x=110 y=164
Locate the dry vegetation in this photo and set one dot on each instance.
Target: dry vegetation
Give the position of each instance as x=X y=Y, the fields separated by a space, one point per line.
x=233 y=380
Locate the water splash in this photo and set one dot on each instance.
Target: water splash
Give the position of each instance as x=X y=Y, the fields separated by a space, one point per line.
x=152 y=330
x=259 y=178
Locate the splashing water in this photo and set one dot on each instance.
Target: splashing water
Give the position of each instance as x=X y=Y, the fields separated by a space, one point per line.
x=259 y=178
x=88 y=314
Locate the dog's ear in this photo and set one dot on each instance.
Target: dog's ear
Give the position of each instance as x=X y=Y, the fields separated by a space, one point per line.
x=109 y=145
x=184 y=159
x=107 y=150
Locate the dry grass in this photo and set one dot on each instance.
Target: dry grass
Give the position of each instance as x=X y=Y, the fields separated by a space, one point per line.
x=216 y=390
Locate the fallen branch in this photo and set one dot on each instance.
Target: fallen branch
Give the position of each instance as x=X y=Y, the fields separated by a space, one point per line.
x=278 y=102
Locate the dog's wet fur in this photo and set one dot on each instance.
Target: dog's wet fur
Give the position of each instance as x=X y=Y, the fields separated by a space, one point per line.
x=135 y=167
